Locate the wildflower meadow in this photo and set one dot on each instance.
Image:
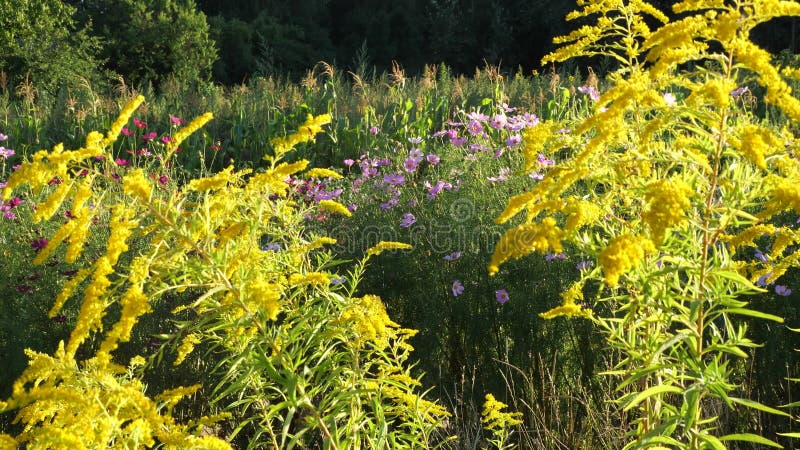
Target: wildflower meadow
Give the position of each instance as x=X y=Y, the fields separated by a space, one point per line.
x=572 y=259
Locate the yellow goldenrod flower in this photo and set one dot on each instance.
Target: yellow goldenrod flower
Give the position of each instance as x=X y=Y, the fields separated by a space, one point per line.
x=314 y=278
x=494 y=418
x=122 y=119
x=317 y=172
x=525 y=239
x=213 y=182
x=46 y=209
x=186 y=131
x=186 y=347
x=265 y=296
x=171 y=397
x=622 y=254
x=382 y=246
x=334 y=206
x=135 y=184
x=668 y=201
x=370 y=321
x=755 y=143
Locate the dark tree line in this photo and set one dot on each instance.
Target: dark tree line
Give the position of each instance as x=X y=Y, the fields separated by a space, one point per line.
x=52 y=42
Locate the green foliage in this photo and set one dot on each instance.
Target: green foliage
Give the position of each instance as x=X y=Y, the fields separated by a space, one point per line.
x=152 y=40
x=43 y=47
x=671 y=185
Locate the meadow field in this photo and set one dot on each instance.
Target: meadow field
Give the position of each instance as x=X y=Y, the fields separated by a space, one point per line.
x=580 y=258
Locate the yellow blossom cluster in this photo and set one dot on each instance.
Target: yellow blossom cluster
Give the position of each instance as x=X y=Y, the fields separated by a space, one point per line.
x=265 y=296
x=63 y=404
x=494 y=418
x=318 y=172
x=622 y=254
x=334 y=206
x=122 y=119
x=756 y=143
x=183 y=133
x=370 y=321
x=525 y=239
x=305 y=133
x=569 y=306
x=668 y=201
x=383 y=246
x=214 y=182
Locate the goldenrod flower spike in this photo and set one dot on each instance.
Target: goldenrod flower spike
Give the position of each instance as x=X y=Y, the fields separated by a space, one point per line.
x=122 y=119
x=186 y=131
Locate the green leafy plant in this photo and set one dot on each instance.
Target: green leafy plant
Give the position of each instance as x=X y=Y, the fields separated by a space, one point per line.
x=299 y=360
x=669 y=192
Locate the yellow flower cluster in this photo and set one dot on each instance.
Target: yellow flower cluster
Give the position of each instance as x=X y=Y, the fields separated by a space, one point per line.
x=334 y=206
x=183 y=133
x=214 y=182
x=755 y=143
x=668 y=201
x=136 y=185
x=525 y=239
x=536 y=139
x=383 y=246
x=580 y=213
x=93 y=308
x=758 y=60
x=305 y=133
x=265 y=296
x=569 y=306
x=748 y=235
x=622 y=254
x=317 y=172
x=313 y=278
x=122 y=119
x=494 y=418
x=784 y=194
x=370 y=321
x=186 y=348
x=134 y=302
x=64 y=405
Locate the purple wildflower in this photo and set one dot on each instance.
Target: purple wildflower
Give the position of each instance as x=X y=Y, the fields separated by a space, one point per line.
x=374 y=130
x=433 y=159
x=348 y=162
x=739 y=91
x=452 y=256
x=410 y=164
x=394 y=179
x=6 y=153
x=501 y=296
x=474 y=128
x=457 y=288
x=590 y=91
x=513 y=140
x=504 y=172
x=408 y=220
x=585 y=265
x=782 y=290
x=498 y=121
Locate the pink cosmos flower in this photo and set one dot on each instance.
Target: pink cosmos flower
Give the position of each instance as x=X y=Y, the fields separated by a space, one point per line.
x=139 y=123
x=126 y=131
x=149 y=136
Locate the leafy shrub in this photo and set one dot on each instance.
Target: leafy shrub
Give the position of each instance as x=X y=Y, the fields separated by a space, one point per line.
x=298 y=359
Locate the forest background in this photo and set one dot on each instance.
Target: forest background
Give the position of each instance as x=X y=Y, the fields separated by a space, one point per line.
x=53 y=42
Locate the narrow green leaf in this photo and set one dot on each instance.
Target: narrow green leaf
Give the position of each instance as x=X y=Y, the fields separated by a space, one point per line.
x=751 y=313
x=755 y=405
x=750 y=437
x=716 y=443
x=791 y=435
x=650 y=392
